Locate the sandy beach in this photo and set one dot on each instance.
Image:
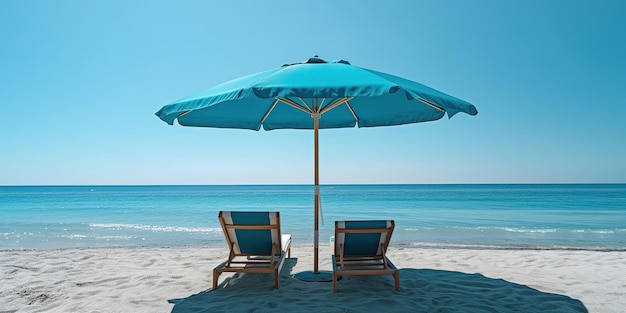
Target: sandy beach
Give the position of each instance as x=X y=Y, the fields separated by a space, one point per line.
x=432 y=280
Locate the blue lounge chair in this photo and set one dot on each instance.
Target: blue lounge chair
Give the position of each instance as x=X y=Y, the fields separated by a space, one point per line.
x=360 y=248
x=255 y=243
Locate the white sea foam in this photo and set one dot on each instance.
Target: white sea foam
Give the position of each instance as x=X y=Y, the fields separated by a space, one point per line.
x=118 y=237
x=529 y=230
x=74 y=236
x=442 y=245
x=157 y=228
x=518 y=229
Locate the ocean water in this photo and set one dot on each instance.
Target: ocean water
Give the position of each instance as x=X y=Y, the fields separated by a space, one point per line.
x=532 y=216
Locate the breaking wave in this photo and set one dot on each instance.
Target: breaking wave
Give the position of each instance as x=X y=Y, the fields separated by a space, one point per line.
x=156 y=228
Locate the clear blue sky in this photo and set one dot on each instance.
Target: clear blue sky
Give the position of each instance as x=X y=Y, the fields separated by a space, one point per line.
x=80 y=82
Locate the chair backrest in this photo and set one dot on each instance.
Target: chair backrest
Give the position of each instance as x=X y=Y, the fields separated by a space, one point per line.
x=363 y=238
x=251 y=233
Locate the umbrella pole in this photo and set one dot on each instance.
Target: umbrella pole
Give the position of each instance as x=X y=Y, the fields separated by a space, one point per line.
x=317 y=195
x=316 y=275
x=315 y=115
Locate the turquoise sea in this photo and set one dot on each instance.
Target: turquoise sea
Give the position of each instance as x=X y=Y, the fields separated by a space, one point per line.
x=532 y=216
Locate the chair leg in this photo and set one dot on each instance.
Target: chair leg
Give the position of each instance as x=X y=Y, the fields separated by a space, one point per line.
x=276 y=279
x=216 y=275
x=396 y=275
x=335 y=282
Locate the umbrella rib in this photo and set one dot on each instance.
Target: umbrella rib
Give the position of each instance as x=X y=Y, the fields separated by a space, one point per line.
x=336 y=104
x=294 y=105
x=356 y=118
x=430 y=104
x=269 y=111
x=321 y=104
x=184 y=113
x=305 y=104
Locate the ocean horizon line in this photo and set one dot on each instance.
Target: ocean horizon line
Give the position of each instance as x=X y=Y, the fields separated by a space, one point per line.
x=326 y=184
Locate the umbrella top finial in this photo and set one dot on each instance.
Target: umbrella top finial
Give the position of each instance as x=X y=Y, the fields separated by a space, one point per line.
x=317 y=60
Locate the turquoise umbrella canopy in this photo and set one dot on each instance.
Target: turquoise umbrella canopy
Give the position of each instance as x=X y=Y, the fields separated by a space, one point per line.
x=314 y=94
x=345 y=96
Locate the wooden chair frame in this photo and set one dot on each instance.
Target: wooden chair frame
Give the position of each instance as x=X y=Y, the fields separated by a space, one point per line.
x=253 y=263
x=377 y=264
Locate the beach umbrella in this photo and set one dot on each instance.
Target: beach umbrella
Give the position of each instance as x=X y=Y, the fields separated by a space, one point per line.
x=314 y=94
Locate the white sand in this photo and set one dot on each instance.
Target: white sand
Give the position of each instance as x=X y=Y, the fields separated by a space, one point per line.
x=431 y=280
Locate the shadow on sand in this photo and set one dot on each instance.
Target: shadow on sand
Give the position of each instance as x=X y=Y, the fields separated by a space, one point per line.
x=421 y=290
